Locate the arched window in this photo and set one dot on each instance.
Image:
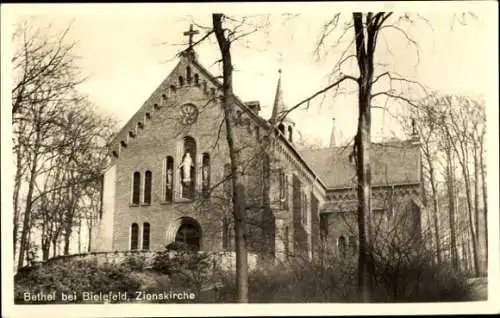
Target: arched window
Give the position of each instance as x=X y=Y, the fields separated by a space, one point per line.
x=169 y=179
x=283 y=183
x=226 y=233
x=205 y=170
x=290 y=134
x=188 y=75
x=341 y=245
x=145 y=236
x=147 y=186
x=164 y=99
x=281 y=127
x=181 y=81
x=172 y=88
x=188 y=168
x=148 y=116
x=205 y=86
x=257 y=132
x=136 y=185
x=196 y=79
x=227 y=180
x=134 y=236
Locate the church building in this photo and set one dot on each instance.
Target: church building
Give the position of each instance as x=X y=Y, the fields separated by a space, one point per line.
x=168 y=179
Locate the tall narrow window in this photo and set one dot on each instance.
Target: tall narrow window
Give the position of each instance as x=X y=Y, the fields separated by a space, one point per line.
x=290 y=133
x=323 y=226
x=134 y=236
x=304 y=208
x=226 y=233
x=147 y=187
x=341 y=245
x=145 y=236
x=196 y=79
x=169 y=191
x=181 y=81
x=188 y=168
x=136 y=186
x=281 y=127
x=283 y=190
x=353 y=244
x=188 y=75
x=227 y=180
x=297 y=199
x=205 y=170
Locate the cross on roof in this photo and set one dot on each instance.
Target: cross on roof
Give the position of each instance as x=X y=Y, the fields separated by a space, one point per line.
x=190 y=33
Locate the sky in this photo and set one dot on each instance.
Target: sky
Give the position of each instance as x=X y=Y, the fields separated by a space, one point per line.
x=127 y=50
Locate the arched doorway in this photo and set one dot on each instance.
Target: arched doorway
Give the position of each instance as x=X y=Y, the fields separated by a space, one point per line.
x=185 y=232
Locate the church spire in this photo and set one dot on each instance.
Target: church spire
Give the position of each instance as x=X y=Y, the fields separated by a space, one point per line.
x=279 y=106
x=285 y=126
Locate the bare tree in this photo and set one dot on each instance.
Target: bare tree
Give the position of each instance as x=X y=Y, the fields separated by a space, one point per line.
x=367 y=28
x=58 y=139
x=239 y=211
x=424 y=122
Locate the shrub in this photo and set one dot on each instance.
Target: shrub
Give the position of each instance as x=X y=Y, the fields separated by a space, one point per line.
x=135 y=262
x=186 y=269
x=298 y=281
x=72 y=276
x=415 y=280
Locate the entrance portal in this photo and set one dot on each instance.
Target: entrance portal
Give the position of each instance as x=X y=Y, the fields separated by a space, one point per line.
x=189 y=234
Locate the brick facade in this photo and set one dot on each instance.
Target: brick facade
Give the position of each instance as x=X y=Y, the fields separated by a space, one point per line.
x=285 y=195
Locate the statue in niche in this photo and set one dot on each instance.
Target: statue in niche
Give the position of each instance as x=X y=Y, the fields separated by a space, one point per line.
x=169 y=178
x=205 y=175
x=186 y=166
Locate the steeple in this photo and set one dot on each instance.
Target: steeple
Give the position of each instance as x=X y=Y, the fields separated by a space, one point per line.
x=284 y=125
x=332 y=136
x=279 y=105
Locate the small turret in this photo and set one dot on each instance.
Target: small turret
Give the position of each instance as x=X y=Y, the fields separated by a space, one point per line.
x=285 y=126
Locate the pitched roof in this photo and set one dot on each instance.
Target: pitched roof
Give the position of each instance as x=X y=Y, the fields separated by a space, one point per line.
x=395 y=162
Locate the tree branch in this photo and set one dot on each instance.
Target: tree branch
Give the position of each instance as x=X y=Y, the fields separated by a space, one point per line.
x=338 y=82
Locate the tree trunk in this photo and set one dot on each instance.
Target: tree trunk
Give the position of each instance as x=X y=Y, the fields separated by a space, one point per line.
x=476 y=194
x=476 y=205
x=79 y=235
x=435 y=208
x=466 y=173
x=485 y=197
x=29 y=197
x=362 y=156
x=17 y=186
x=239 y=210
x=451 y=206
x=89 y=247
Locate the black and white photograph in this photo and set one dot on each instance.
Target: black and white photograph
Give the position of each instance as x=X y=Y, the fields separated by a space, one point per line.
x=248 y=159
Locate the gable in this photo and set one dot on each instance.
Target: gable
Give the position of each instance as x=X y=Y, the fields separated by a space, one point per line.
x=166 y=92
